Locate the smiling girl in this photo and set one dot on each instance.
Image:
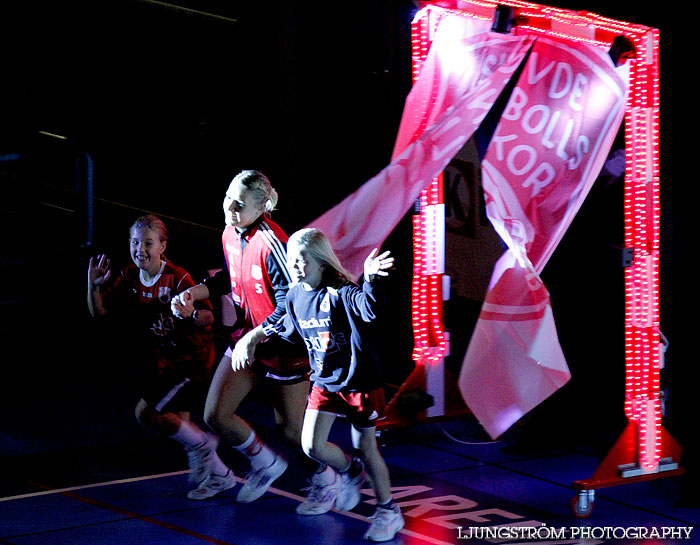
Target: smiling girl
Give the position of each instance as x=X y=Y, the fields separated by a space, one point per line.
x=178 y=354
x=331 y=315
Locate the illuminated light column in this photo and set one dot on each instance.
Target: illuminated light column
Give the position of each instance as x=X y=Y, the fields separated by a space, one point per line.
x=433 y=213
x=419 y=301
x=430 y=341
x=642 y=335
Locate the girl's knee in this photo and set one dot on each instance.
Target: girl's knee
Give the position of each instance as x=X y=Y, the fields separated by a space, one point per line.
x=212 y=417
x=291 y=433
x=364 y=441
x=312 y=447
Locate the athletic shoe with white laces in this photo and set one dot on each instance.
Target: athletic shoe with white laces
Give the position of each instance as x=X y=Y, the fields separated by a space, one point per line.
x=259 y=480
x=349 y=492
x=322 y=494
x=199 y=459
x=385 y=524
x=213 y=485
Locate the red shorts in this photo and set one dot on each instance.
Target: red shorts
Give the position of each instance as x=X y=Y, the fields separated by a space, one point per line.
x=362 y=409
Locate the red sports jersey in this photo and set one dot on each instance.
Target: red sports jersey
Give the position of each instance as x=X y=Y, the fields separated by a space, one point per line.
x=248 y=256
x=257 y=264
x=172 y=342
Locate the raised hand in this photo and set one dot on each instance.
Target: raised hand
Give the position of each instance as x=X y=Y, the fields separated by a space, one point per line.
x=378 y=265
x=98 y=271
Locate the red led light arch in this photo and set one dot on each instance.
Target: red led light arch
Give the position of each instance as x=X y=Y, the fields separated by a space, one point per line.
x=654 y=451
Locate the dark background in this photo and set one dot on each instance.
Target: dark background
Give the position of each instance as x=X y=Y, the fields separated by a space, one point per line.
x=170 y=104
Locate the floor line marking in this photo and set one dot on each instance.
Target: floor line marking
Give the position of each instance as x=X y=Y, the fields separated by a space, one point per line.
x=278 y=491
x=92 y=485
x=145 y=518
x=68 y=493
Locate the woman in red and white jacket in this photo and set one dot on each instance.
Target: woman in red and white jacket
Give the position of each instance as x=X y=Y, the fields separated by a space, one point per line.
x=257 y=277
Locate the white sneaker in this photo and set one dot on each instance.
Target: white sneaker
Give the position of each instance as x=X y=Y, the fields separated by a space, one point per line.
x=199 y=459
x=385 y=524
x=213 y=485
x=322 y=495
x=349 y=492
x=259 y=480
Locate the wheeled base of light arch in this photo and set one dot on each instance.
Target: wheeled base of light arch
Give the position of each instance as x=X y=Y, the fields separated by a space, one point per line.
x=621 y=466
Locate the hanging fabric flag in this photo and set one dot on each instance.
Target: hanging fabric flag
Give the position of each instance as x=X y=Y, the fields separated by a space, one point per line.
x=546 y=152
x=548 y=148
x=459 y=81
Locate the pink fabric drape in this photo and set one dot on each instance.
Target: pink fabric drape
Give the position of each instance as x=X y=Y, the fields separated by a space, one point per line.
x=546 y=152
x=460 y=79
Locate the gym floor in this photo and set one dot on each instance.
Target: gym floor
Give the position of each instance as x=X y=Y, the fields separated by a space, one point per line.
x=100 y=479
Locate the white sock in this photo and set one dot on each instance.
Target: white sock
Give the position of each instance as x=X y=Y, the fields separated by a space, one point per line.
x=325 y=476
x=189 y=435
x=259 y=454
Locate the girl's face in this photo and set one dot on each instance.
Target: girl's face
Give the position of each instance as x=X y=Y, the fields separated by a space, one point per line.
x=304 y=267
x=240 y=206
x=146 y=249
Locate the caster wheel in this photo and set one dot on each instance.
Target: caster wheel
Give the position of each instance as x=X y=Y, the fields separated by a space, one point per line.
x=581 y=506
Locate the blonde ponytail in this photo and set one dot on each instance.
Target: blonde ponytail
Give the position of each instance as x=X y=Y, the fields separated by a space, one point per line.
x=260 y=186
x=271 y=201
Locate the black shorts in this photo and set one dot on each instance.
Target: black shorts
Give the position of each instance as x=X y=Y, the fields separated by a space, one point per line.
x=171 y=391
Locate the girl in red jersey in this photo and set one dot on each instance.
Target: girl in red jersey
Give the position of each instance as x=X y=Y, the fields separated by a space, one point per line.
x=179 y=353
x=258 y=280
x=331 y=316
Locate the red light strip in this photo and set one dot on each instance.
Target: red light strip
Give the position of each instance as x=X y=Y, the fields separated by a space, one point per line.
x=428 y=328
x=642 y=230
